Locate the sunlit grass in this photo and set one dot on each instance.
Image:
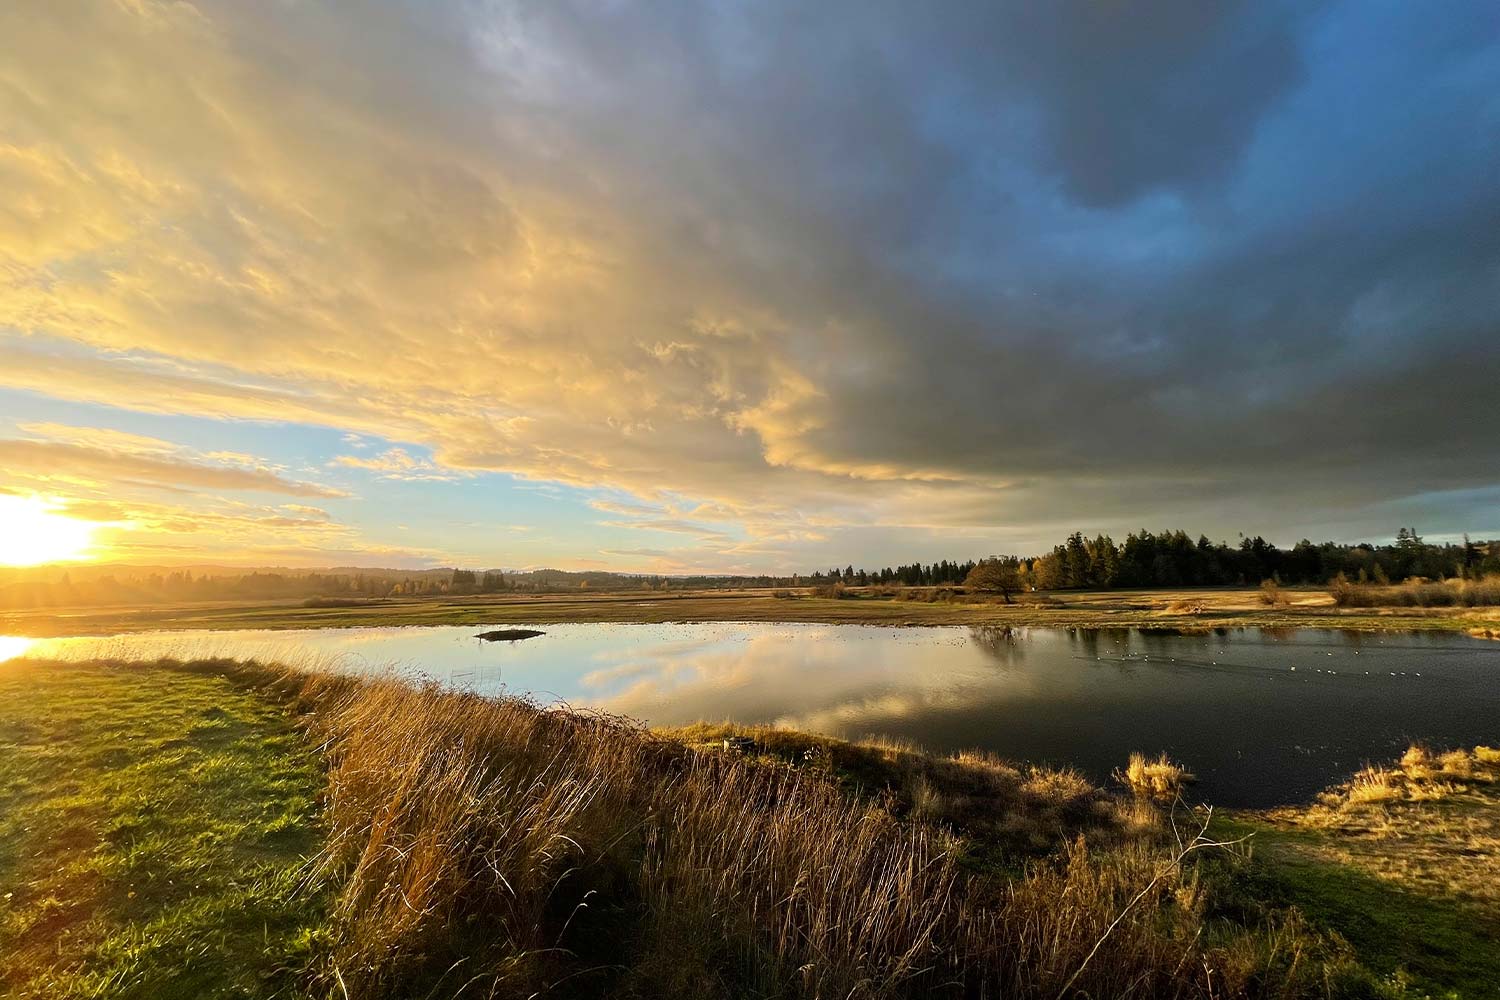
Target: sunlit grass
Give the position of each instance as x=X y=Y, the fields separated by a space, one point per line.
x=1478 y=593
x=1187 y=609
x=155 y=834
x=1160 y=779
x=1404 y=859
x=529 y=848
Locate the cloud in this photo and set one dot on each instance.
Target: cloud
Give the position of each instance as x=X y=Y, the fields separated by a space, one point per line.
x=312 y=513
x=137 y=525
x=102 y=438
x=46 y=460
x=628 y=509
x=671 y=526
x=396 y=463
x=831 y=276
x=1134 y=100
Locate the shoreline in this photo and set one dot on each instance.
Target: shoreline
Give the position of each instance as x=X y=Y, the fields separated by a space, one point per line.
x=1206 y=610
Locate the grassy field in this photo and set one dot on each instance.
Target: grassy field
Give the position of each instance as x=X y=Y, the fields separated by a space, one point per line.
x=1404 y=860
x=218 y=830
x=1188 y=609
x=155 y=832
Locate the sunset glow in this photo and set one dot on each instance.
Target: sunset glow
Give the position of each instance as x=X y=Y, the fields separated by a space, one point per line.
x=33 y=530
x=12 y=646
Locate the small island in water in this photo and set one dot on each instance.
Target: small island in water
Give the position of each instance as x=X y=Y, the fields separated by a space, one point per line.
x=509 y=634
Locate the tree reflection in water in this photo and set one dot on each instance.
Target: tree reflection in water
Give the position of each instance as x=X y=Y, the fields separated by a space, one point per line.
x=1005 y=645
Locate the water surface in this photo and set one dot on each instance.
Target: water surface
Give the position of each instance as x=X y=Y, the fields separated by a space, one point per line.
x=1262 y=716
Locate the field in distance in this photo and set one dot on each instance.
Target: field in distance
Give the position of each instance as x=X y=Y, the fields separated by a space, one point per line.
x=1197 y=608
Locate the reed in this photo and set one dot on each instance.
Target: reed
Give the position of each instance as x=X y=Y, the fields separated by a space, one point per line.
x=494 y=848
x=515 y=848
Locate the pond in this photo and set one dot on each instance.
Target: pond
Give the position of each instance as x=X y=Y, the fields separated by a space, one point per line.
x=1261 y=716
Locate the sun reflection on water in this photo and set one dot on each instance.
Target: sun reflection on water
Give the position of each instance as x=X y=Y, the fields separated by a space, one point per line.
x=12 y=646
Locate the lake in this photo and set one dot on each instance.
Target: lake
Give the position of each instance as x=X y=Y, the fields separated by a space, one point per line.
x=1261 y=716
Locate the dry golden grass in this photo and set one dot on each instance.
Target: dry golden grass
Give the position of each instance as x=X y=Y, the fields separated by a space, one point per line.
x=1429 y=822
x=1001 y=809
x=493 y=848
x=1418 y=593
x=1187 y=608
x=1419 y=776
x=1160 y=779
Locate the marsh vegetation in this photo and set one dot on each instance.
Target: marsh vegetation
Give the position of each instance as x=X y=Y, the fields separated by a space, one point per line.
x=465 y=846
x=1418 y=593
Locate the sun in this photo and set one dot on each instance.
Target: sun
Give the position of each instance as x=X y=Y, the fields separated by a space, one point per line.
x=32 y=531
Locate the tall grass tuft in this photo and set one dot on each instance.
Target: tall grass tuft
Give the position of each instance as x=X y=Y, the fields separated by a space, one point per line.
x=1160 y=779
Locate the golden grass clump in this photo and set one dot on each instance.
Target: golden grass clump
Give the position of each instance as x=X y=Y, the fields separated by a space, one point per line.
x=1160 y=779
x=1420 y=775
x=1368 y=785
x=493 y=838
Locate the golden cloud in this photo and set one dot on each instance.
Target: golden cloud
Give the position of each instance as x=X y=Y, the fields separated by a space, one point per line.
x=46 y=460
x=255 y=247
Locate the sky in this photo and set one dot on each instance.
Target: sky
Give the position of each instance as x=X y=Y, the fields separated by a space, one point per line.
x=743 y=287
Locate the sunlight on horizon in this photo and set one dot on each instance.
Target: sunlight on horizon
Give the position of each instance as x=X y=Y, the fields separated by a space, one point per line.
x=12 y=646
x=33 y=530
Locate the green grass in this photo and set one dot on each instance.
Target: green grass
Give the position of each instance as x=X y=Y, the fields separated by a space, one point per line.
x=1436 y=945
x=155 y=829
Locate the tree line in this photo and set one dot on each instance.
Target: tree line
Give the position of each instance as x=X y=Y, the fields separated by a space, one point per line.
x=1144 y=559
x=1148 y=559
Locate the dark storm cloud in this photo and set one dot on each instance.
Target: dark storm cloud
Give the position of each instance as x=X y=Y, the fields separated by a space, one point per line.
x=1134 y=98
x=1081 y=240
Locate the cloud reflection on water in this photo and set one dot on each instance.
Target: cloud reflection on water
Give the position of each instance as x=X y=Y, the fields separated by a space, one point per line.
x=1260 y=717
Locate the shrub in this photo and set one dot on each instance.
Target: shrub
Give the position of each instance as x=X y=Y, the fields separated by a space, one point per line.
x=837 y=591
x=1271 y=594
